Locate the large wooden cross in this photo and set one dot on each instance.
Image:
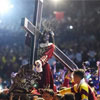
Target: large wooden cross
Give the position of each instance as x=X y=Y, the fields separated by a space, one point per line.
x=65 y=60
x=31 y=27
x=34 y=31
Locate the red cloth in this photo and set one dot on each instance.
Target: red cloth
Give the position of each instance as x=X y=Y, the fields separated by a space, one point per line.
x=66 y=81
x=48 y=54
x=47 y=77
x=54 y=88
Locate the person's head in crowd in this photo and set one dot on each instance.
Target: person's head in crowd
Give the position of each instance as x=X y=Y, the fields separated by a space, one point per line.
x=91 y=82
x=0 y=80
x=68 y=96
x=68 y=73
x=86 y=65
x=79 y=74
x=48 y=94
x=98 y=63
x=58 y=97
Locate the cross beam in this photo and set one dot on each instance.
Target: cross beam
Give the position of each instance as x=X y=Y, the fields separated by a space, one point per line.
x=64 y=59
x=29 y=27
x=32 y=27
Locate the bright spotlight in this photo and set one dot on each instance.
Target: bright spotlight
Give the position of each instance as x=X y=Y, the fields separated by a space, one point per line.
x=71 y=27
x=11 y=6
x=56 y=1
x=5 y=6
x=0 y=21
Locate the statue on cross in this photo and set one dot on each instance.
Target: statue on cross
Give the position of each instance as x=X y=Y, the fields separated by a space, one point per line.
x=45 y=50
x=44 y=53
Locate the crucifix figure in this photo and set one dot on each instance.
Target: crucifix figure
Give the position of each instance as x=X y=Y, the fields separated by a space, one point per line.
x=48 y=49
x=64 y=59
x=44 y=53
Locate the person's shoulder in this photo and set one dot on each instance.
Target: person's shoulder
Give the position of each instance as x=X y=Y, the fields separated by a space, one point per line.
x=84 y=86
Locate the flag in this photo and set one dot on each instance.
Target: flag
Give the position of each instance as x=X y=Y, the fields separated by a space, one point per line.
x=59 y=15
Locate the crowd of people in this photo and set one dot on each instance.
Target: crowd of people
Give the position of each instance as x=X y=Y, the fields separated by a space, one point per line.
x=14 y=53
x=79 y=90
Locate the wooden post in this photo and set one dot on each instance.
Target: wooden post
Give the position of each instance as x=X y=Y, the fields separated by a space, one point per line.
x=36 y=22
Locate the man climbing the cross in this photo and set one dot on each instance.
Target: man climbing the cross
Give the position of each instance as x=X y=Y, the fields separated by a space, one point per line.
x=44 y=53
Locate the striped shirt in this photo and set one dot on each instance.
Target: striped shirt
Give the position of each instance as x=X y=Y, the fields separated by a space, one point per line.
x=82 y=91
